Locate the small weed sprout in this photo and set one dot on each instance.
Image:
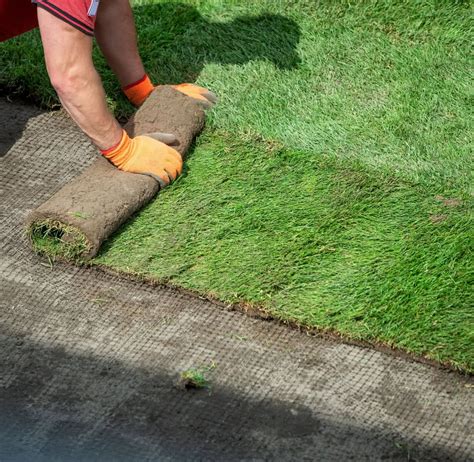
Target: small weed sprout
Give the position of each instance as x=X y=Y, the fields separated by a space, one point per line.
x=195 y=378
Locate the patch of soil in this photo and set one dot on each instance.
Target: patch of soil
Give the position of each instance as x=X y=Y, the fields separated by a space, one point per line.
x=435 y=219
x=449 y=202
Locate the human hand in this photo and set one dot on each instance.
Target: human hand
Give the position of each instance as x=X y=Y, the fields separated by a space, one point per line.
x=139 y=91
x=148 y=155
x=206 y=97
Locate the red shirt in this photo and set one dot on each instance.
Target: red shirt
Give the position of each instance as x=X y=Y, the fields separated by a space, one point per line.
x=19 y=16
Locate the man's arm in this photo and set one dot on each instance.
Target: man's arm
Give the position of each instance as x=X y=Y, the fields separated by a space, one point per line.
x=116 y=37
x=68 y=55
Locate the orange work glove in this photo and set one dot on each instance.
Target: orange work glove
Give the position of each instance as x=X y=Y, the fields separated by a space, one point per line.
x=205 y=96
x=139 y=91
x=148 y=155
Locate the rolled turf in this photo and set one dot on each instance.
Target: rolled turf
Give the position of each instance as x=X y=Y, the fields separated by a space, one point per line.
x=75 y=221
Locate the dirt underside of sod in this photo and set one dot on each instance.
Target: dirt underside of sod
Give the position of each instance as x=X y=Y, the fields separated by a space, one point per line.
x=332 y=186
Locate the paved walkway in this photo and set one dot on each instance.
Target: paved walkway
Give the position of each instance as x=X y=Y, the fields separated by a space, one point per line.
x=88 y=361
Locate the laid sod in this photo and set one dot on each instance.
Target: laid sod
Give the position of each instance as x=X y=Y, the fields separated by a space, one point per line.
x=314 y=241
x=333 y=186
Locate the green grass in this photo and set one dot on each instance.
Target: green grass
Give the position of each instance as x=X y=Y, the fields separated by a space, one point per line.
x=333 y=185
x=193 y=379
x=196 y=377
x=57 y=240
x=314 y=241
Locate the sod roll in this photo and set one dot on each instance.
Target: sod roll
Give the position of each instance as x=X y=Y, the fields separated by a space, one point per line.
x=75 y=221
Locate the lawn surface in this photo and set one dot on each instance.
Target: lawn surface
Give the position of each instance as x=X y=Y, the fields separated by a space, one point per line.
x=333 y=185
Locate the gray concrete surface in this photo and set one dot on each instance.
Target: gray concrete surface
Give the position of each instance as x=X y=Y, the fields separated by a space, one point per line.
x=88 y=361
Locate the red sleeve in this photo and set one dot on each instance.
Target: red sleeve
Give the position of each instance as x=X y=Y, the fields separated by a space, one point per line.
x=78 y=13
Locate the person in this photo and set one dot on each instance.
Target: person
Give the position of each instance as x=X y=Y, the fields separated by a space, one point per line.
x=67 y=28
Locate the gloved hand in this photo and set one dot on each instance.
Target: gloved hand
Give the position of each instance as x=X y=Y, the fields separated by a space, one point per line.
x=148 y=155
x=138 y=92
x=205 y=96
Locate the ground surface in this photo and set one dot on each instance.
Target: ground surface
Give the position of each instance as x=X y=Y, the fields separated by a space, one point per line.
x=335 y=168
x=88 y=361
x=332 y=186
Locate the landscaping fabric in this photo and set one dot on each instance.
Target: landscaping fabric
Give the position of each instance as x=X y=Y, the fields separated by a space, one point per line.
x=74 y=222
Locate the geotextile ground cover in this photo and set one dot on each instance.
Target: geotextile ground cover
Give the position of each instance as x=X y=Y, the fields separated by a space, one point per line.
x=333 y=185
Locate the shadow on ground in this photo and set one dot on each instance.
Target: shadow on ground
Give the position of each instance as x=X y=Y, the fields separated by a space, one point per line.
x=62 y=406
x=17 y=120
x=176 y=41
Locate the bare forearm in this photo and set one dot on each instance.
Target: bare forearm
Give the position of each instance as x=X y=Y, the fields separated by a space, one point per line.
x=68 y=54
x=82 y=95
x=119 y=44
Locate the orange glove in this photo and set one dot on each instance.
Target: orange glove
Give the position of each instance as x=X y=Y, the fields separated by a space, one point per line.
x=205 y=96
x=139 y=91
x=148 y=155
